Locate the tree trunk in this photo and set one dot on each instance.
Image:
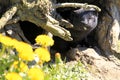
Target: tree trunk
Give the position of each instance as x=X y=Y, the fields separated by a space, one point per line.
x=107 y=31
x=108 y=27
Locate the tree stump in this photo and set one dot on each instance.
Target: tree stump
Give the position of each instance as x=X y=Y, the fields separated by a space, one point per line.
x=107 y=31
x=41 y=13
x=108 y=28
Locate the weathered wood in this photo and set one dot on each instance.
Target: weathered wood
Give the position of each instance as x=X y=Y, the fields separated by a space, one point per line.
x=108 y=29
x=7 y=16
x=39 y=12
x=77 y=5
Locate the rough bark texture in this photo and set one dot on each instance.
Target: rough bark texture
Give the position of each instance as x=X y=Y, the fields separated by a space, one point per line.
x=107 y=31
x=37 y=12
x=108 y=28
x=40 y=12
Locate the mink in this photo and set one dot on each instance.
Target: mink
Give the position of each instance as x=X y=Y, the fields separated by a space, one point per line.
x=84 y=21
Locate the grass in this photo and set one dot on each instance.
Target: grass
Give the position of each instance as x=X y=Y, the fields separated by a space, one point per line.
x=65 y=72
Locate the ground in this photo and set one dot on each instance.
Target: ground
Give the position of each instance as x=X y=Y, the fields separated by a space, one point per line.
x=99 y=67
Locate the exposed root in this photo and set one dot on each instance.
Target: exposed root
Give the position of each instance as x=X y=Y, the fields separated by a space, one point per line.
x=77 y=5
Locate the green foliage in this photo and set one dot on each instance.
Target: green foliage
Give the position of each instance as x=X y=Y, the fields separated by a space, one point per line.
x=65 y=72
x=6 y=59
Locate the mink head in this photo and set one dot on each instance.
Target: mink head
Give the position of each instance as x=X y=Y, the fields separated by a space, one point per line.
x=84 y=19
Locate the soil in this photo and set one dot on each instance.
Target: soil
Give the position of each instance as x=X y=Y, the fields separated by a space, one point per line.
x=99 y=67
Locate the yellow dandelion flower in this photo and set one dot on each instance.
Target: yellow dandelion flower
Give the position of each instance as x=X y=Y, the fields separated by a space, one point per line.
x=44 y=40
x=23 y=67
x=7 y=40
x=43 y=54
x=20 y=66
x=25 y=51
x=13 y=76
x=36 y=74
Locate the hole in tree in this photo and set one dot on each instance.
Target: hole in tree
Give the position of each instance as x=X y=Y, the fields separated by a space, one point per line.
x=63 y=46
x=90 y=40
x=30 y=30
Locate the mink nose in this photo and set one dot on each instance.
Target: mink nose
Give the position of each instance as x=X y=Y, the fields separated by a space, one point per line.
x=91 y=19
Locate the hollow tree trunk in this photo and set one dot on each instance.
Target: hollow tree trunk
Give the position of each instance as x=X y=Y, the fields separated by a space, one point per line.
x=108 y=28
x=41 y=13
x=107 y=31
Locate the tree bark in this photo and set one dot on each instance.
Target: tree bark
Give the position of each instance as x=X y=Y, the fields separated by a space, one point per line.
x=108 y=28
x=40 y=12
